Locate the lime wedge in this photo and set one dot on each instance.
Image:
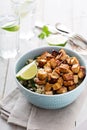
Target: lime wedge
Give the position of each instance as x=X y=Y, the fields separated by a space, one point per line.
x=56 y=40
x=28 y=71
x=11 y=28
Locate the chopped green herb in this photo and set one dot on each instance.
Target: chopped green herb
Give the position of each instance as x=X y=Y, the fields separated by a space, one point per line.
x=45 y=32
x=41 y=35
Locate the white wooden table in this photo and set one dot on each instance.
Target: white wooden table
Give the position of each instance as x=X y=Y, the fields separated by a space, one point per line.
x=68 y=16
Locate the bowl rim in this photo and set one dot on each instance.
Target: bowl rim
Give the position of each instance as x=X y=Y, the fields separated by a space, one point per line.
x=52 y=47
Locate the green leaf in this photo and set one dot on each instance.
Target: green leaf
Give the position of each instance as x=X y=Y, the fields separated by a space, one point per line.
x=45 y=29
x=45 y=32
x=41 y=35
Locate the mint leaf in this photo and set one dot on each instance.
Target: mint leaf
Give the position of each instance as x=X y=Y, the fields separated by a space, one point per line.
x=45 y=29
x=41 y=35
x=45 y=32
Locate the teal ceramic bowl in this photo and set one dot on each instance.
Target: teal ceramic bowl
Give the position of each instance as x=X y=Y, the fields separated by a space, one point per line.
x=50 y=101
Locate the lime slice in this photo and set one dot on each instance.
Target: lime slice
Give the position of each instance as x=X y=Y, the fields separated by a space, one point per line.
x=11 y=28
x=28 y=71
x=56 y=40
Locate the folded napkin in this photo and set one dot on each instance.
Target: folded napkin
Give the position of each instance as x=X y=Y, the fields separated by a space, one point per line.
x=17 y=110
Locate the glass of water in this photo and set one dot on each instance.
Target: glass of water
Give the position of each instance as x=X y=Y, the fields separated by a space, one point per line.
x=9 y=36
x=26 y=10
x=9 y=31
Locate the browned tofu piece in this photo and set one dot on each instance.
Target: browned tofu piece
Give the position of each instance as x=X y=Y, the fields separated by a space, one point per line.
x=41 y=62
x=70 y=71
x=52 y=78
x=56 y=86
x=75 y=68
x=48 y=87
x=47 y=69
x=49 y=92
x=63 y=54
x=68 y=76
x=49 y=56
x=71 y=87
x=57 y=70
x=74 y=60
x=42 y=74
x=64 y=68
x=76 y=80
x=53 y=63
x=54 y=53
x=60 y=81
x=68 y=83
x=68 y=59
x=58 y=62
x=62 y=90
x=46 y=55
x=81 y=73
x=58 y=57
x=39 y=82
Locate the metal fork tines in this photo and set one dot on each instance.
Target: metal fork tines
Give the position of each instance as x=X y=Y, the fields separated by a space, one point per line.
x=78 y=46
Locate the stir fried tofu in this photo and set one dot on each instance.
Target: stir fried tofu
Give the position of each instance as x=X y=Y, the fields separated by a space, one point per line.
x=54 y=53
x=56 y=86
x=76 y=79
x=41 y=62
x=48 y=87
x=57 y=73
x=49 y=92
x=47 y=69
x=81 y=73
x=49 y=56
x=68 y=83
x=60 y=81
x=74 y=61
x=75 y=68
x=53 y=63
x=63 y=54
x=64 y=68
x=52 y=77
x=40 y=82
x=71 y=87
x=62 y=90
x=68 y=76
x=68 y=60
x=57 y=70
x=42 y=74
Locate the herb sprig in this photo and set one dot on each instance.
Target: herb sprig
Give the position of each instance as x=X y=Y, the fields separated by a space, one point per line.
x=44 y=33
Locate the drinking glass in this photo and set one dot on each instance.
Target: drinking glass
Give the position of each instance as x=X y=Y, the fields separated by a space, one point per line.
x=9 y=31
x=26 y=10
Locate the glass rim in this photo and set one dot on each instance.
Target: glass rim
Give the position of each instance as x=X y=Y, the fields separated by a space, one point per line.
x=21 y=2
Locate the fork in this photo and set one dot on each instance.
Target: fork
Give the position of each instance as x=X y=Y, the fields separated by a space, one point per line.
x=80 y=45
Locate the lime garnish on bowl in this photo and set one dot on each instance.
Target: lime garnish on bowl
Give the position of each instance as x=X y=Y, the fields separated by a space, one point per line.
x=28 y=71
x=56 y=40
x=11 y=28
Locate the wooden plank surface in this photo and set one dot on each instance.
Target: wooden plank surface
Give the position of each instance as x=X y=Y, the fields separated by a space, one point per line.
x=3 y=75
